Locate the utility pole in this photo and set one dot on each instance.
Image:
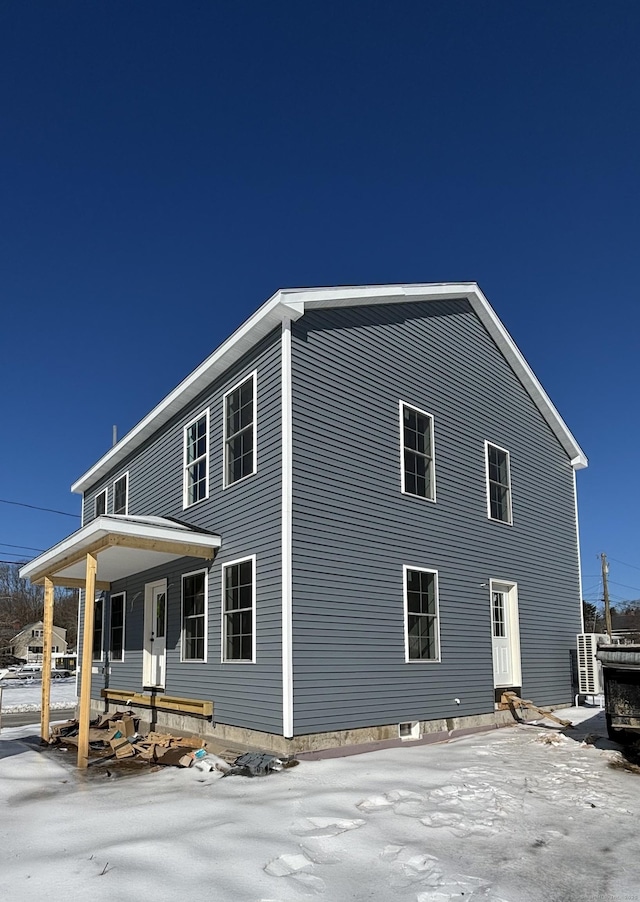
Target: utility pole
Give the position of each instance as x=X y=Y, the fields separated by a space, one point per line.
x=605 y=592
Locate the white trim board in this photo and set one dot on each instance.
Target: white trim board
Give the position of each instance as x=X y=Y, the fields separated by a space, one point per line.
x=287 y=532
x=291 y=304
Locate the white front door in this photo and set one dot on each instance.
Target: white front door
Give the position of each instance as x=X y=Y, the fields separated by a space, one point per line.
x=505 y=634
x=155 y=635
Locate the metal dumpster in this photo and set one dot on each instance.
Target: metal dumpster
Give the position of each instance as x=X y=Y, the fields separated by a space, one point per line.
x=621 y=675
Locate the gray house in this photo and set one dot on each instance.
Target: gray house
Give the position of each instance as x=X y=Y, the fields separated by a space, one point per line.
x=355 y=520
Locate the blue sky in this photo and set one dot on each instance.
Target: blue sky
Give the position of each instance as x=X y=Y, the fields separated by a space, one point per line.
x=165 y=166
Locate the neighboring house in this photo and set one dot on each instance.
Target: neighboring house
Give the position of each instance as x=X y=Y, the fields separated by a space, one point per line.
x=27 y=644
x=355 y=520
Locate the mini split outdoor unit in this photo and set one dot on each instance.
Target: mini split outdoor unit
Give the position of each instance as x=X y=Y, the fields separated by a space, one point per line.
x=589 y=669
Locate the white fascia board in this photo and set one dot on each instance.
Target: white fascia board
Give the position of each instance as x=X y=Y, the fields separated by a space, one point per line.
x=292 y=304
x=353 y=296
x=108 y=525
x=366 y=295
x=266 y=318
x=487 y=315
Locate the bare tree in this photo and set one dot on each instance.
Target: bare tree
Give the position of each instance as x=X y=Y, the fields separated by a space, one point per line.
x=22 y=603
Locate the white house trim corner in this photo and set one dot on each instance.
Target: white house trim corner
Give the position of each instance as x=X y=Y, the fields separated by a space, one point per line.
x=287 y=529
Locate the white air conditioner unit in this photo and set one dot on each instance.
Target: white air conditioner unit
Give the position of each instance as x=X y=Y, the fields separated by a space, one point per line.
x=589 y=669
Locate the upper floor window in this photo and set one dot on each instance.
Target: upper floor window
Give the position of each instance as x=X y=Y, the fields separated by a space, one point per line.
x=98 y=614
x=418 y=462
x=196 y=459
x=238 y=610
x=498 y=484
x=240 y=431
x=101 y=503
x=116 y=629
x=422 y=629
x=194 y=616
x=121 y=495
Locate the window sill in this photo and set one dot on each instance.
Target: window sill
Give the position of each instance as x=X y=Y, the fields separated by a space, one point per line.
x=418 y=497
x=230 y=485
x=187 y=507
x=423 y=660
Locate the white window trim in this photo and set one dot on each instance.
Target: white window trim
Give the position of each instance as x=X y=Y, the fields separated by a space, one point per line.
x=424 y=413
x=513 y=616
x=104 y=492
x=408 y=660
x=488 y=445
x=124 y=476
x=184 y=660
x=254 y=376
x=223 y=631
x=124 y=624
x=98 y=595
x=185 y=465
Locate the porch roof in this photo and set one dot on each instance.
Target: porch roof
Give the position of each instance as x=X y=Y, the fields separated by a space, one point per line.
x=123 y=545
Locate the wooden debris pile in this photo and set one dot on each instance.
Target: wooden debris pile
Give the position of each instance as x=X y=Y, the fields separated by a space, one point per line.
x=116 y=735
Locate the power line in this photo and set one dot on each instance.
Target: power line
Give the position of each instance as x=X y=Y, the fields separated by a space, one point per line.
x=34 y=507
x=624 y=585
x=17 y=563
x=27 y=547
x=633 y=566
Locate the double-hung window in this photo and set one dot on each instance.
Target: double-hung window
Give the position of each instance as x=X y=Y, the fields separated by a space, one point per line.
x=194 y=616
x=116 y=627
x=240 y=431
x=121 y=495
x=422 y=640
x=238 y=610
x=498 y=484
x=196 y=459
x=100 y=504
x=98 y=614
x=418 y=462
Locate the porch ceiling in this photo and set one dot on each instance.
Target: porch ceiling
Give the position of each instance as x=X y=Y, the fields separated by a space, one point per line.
x=123 y=545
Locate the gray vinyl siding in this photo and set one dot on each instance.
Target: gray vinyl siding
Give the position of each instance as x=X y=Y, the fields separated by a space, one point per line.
x=353 y=530
x=247 y=516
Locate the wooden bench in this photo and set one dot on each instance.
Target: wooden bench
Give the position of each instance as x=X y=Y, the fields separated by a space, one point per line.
x=196 y=706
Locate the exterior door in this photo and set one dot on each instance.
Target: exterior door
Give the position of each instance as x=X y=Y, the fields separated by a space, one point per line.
x=155 y=635
x=505 y=635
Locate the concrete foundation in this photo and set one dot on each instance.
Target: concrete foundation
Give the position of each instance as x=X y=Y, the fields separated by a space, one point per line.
x=340 y=742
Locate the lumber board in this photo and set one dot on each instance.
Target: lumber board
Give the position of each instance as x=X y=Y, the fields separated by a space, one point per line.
x=167 y=702
x=512 y=700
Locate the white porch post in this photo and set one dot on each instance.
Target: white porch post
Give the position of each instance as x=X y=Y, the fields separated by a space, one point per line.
x=87 y=659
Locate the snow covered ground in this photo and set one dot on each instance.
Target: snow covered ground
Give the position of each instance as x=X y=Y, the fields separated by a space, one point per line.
x=523 y=814
x=26 y=695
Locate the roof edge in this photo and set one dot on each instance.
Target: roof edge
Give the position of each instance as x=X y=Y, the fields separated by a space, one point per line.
x=292 y=303
x=148 y=528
